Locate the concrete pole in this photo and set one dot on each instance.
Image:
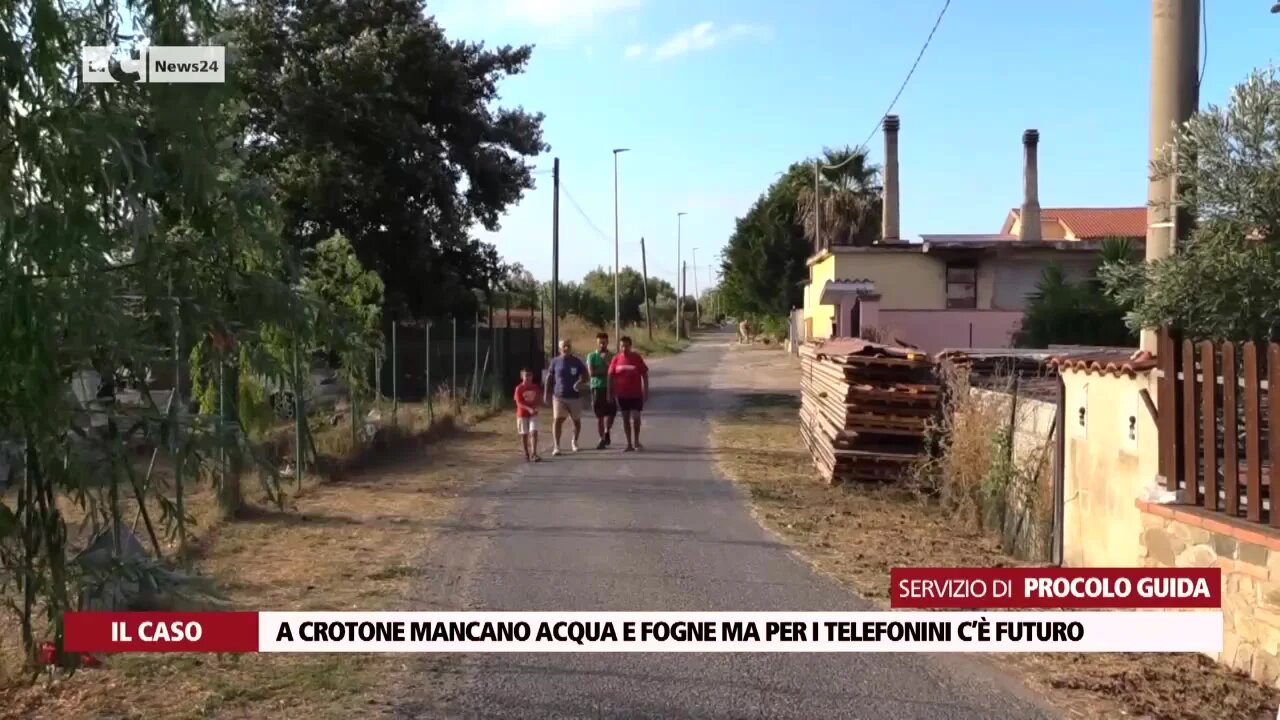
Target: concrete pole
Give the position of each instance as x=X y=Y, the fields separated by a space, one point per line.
x=890 y=231
x=1175 y=60
x=679 y=283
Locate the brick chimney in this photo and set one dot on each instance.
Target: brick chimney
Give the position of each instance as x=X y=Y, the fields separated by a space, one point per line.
x=890 y=231
x=1030 y=227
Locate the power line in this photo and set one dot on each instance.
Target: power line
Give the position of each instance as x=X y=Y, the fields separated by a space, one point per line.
x=583 y=213
x=902 y=87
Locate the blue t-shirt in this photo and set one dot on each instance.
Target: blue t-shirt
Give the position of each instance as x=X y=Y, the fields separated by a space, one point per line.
x=565 y=373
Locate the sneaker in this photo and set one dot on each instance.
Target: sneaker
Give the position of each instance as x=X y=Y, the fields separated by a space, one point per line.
x=608 y=440
x=555 y=451
x=602 y=444
x=629 y=449
x=574 y=446
x=639 y=446
x=537 y=458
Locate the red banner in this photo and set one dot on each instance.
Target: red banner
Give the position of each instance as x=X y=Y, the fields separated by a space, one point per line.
x=109 y=632
x=1095 y=588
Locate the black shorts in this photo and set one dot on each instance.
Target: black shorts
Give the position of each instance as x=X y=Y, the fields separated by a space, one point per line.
x=601 y=405
x=635 y=404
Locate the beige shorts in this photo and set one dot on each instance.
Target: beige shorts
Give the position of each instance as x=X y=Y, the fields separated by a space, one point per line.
x=566 y=407
x=526 y=425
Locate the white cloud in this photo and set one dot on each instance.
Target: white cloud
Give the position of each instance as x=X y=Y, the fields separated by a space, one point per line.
x=557 y=13
x=703 y=36
x=550 y=19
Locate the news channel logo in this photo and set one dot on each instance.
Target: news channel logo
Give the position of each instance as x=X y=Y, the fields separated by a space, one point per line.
x=154 y=64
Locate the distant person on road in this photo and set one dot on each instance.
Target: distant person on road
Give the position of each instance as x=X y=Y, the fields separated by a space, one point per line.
x=565 y=379
x=629 y=386
x=605 y=409
x=526 y=396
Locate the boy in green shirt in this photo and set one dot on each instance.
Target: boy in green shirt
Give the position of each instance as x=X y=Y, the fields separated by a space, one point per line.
x=602 y=405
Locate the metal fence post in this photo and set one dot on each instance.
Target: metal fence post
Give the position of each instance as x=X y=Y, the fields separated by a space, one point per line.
x=453 y=388
x=426 y=376
x=475 y=358
x=299 y=413
x=395 y=380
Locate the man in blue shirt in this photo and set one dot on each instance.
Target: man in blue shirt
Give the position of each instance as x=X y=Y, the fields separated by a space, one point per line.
x=566 y=377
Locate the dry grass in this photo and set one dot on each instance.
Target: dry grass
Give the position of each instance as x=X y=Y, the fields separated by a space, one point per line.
x=339 y=545
x=857 y=534
x=583 y=336
x=993 y=462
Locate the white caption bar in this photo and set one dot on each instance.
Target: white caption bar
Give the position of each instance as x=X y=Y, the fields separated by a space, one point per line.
x=643 y=632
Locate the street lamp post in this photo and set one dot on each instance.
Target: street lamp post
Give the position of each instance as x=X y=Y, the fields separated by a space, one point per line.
x=617 y=305
x=679 y=275
x=697 y=303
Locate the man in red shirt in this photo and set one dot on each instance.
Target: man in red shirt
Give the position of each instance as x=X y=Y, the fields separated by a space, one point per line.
x=526 y=397
x=629 y=387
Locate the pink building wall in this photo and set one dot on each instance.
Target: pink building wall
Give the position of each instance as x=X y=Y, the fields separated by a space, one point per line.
x=936 y=330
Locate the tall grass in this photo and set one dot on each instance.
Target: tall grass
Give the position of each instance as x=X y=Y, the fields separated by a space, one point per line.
x=583 y=336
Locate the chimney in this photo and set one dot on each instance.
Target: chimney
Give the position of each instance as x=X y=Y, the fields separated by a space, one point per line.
x=890 y=231
x=1030 y=227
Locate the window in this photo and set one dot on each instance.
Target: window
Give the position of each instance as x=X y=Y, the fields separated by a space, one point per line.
x=962 y=285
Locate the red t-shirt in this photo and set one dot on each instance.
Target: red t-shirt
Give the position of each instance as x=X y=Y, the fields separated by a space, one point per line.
x=526 y=397
x=625 y=372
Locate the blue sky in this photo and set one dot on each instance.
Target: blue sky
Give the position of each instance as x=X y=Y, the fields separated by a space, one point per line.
x=717 y=96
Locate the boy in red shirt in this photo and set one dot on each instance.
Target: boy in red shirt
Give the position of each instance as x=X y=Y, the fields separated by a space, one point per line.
x=629 y=387
x=526 y=397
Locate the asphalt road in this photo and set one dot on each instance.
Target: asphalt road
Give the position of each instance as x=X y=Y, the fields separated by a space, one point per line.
x=658 y=530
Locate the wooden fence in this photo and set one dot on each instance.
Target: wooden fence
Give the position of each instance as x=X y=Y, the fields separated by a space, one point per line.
x=1217 y=450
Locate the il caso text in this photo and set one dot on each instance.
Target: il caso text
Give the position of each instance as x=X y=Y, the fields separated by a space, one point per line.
x=147 y=631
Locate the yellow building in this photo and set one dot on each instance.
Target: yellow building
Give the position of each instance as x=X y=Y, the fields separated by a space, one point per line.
x=954 y=290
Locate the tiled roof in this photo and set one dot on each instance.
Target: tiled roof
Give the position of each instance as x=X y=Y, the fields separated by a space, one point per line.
x=1106 y=363
x=1093 y=223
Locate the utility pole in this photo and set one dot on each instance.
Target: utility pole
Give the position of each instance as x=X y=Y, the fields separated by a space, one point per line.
x=1175 y=91
x=679 y=280
x=555 y=253
x=697 y=302
x=617 y=294
x=684 y=269
x=648 y=309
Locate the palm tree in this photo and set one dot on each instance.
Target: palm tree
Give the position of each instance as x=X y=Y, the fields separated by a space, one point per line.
x=847 y=202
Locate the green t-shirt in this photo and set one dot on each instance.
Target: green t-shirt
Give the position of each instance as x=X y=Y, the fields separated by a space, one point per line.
x=599 y=363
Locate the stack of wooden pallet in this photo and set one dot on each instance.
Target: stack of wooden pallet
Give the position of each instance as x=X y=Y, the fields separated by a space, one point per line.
x=865 y=408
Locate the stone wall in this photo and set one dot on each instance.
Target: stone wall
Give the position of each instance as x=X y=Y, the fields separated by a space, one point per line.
x=1025 y=513
x=1250 y=561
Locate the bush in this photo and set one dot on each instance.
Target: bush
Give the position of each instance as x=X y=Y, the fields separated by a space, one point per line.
x=1224 y=281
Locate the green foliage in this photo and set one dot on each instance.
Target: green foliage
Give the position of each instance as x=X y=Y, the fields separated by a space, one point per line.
x=1063 y=312
x=366 y=118
x=1224 y=281
x=763 y=263
x=845 y=207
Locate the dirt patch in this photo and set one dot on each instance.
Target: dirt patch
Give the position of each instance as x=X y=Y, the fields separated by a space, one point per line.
x=340 y=546
x=856 y=534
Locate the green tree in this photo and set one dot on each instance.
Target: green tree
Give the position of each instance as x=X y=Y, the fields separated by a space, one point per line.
x=1063 y=312
x=126 y=219
x=845 y=206
x=370 y=122
x=763 y=263
x=631 y=292
x=1224 y=280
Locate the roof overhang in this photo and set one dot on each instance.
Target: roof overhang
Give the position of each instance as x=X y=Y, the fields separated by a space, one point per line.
x=836 y=291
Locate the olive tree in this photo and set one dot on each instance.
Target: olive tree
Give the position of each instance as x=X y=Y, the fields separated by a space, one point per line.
x=1223 y=281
